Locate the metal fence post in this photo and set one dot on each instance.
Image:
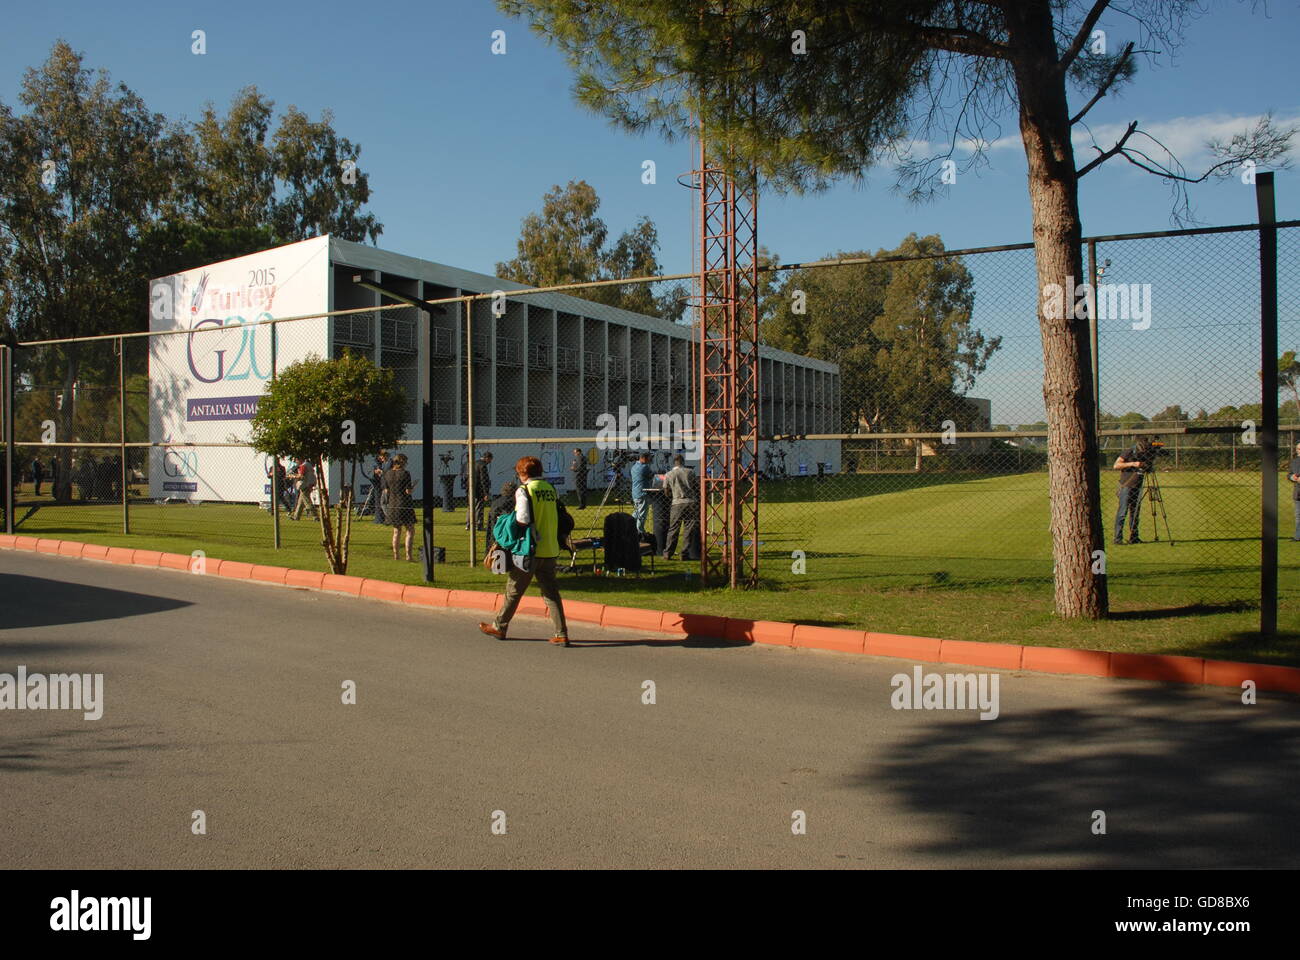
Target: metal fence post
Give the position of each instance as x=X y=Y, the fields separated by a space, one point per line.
x=425 y=318
x=275 y=461
x=121 y=416
x=1268 y=389
x=7 y=412
x=470 y=492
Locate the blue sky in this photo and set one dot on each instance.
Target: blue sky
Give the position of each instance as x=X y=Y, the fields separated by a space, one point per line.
x=460 y=144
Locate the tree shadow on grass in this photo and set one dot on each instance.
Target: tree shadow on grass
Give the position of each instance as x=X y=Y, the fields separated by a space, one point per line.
x=1186 y=778
x=40 y=602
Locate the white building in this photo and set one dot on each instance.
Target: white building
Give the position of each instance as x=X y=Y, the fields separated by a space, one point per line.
x=549 y=367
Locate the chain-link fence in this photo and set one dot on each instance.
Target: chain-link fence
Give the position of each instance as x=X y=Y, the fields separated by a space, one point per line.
x=901 y=419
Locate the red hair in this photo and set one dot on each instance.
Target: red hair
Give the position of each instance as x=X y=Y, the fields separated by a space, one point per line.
x=528 y=466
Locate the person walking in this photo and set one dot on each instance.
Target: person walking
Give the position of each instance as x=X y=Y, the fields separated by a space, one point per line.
x=536 y=505
x=642 y=479
x=399 y=507
x=684 y=513
x=1293 y=474
x=579 y=468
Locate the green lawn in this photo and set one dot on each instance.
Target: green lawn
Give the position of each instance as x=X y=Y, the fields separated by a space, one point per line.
x=942 y=555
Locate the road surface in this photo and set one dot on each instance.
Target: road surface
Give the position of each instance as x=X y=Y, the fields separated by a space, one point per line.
x=226 y=697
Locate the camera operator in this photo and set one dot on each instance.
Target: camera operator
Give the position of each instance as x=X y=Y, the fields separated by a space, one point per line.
x=1133 y=465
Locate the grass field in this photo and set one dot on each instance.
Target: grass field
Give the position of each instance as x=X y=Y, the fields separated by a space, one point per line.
x=943 y=555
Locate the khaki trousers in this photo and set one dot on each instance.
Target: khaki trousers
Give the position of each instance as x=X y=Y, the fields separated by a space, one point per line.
x=544 y=570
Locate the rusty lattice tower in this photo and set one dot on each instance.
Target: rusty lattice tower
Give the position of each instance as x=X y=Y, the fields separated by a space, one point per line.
x=727 y=370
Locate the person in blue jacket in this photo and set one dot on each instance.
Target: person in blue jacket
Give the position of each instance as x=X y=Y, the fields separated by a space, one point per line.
x=642 y=480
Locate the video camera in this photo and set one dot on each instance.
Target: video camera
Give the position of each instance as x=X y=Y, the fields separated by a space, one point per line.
x=1148 y=456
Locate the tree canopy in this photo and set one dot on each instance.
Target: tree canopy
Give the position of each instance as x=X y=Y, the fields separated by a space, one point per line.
x=567 y=243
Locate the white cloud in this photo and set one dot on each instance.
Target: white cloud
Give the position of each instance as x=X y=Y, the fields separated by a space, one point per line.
x=1185 y=137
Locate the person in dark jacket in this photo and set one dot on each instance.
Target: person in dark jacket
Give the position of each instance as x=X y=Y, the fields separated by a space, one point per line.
x=579 y=468
x=38 y=474
x=482 y=491
x=399 y=506
x=503 y=504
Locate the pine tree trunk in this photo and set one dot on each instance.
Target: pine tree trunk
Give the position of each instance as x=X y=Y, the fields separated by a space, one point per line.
x=1073 y=481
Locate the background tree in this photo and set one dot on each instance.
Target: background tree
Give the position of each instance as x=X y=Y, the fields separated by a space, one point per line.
x=331 y=412
x=82 y=175
x=1288 y=376
x=874 y=75
x=566 y=243
x=98 y=194
x=900 y=332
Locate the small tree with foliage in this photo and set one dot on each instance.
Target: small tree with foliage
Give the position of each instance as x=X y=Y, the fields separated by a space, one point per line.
x=331 y=411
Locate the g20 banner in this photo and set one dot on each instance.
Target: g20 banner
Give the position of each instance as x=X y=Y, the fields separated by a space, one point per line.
x=205 y=383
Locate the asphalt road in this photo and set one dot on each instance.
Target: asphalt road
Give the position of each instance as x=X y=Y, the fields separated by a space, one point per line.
x=226 y=697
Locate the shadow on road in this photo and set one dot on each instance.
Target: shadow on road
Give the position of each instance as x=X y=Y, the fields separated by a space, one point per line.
x=40 y=602
x=1185 y=779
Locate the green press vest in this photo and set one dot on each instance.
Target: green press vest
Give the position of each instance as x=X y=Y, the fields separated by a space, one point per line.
x=546 y=518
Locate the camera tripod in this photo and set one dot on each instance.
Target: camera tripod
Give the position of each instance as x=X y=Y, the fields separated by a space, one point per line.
x=1152 y=493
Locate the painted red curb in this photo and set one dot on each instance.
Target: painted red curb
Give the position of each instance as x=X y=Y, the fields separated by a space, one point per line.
x=382 y=590
x=1229 y=673
x=425 y=596
x=269 y=574
x=230 y=568
x=694 y=625
x=1156 y=666
x=531 y=606
x=311 y=579
x=343 y=583
x=925 y=649
x=829 y=638
x=1007 y=656
x=584 y=611
x=1089 y=663
x=633 y=618
x=1166 y=668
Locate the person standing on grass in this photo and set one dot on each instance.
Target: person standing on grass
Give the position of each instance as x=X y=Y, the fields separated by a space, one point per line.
x=1293 y=474
x=399 y=507
x=377 y=486
x=642 y=478
x=306 y=484
x=536 y=505
x=500 y=506
x=38 y=473
x=1130 y=464
x=579 y=468
x=684 y=514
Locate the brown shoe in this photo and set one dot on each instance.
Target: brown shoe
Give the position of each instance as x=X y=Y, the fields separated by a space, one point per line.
x=491 y=631
x=560 y=640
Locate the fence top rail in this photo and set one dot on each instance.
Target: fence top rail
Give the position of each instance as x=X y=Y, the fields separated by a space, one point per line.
x=468 y=298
